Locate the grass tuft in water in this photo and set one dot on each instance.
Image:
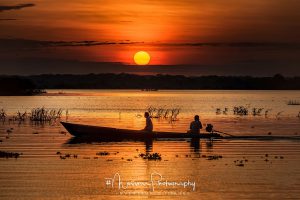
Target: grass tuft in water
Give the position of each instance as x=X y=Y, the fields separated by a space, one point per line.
x=45 y=115
x=293 y=103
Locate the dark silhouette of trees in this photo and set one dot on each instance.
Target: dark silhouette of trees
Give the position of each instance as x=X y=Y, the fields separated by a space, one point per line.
x=131 y=81
x=16 y=85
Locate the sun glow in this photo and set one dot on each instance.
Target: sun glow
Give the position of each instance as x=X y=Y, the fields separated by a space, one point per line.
x=141 y=58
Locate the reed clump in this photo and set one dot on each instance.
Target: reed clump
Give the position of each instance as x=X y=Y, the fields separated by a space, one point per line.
x=163 y=113
x=240 y=110
x=257 y=111
x=214 y=157
x=4 y=154
x=102 y=153
x=36 y=114
x=3 y=115
x=45 y=115
x=293 y=103
x=20 y=116
x=244 y=111
x=151 y=156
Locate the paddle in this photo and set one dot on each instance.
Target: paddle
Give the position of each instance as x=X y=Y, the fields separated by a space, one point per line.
x=223 y=133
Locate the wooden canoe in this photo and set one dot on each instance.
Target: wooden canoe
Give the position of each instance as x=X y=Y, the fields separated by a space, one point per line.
x=98 y=132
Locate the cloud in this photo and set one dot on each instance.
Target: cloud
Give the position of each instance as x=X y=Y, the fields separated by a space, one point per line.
x=16 y=7
x=234 y=44
x=7 y=19
x=24 y=43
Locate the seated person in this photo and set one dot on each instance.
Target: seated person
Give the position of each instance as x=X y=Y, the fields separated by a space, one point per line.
x=196 y=125
x=149 y=125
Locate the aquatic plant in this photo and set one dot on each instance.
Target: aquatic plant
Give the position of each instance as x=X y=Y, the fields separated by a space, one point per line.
x=267 y=112
x=293 y=103
x=163 y=113
x=257 y=111
x=159 y=113
x=102 y=153
x=240 y=110
x=244 y=110
x=2 y=115
x=225 y=111
x=63 y=157
x=214 y=157
x=174 y=113
x=278 y=114
x=4 y=154
x=43 y=114
x=20 y=116
x=151 y=110
x=149 y=156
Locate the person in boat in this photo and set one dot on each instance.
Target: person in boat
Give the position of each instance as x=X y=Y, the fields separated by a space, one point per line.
x=149 y=125
x=196 y=125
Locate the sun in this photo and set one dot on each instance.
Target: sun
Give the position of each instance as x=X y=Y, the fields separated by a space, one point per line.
x=142 y=58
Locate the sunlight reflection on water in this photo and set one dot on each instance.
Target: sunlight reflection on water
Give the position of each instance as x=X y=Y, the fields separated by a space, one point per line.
x=270 y=172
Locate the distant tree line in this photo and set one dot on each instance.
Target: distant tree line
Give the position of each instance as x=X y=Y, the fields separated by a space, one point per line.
x=17 y=86
x=32 y=84
x=131 y=81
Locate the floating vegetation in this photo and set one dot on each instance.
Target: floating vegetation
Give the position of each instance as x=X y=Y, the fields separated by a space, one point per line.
x=244 y=111
x=267 y=112
x=240 y=163
x=2 y=115
x=293 y=103
x=219 y=111
x=149 y=156
x=102 y=153
x=225 y=111
x=163 y=113
x=4 y=154
x=20 y=116
x=240 y=110
x=45 y=115
x=257 y=111
x=65 y=156
x=278 y=114
x=214 y=157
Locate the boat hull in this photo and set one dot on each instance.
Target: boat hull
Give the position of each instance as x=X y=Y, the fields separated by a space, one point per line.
x=88 y=131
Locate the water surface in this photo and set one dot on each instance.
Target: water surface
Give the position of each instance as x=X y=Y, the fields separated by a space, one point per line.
x=270 y=171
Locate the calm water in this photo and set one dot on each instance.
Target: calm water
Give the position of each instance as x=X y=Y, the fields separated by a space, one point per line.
x=40 y=173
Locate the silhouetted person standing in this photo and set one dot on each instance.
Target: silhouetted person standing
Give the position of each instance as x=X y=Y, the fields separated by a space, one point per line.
x=196 y=125
x=149 y=125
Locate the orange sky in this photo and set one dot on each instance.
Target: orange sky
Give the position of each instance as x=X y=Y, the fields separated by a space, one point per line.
x=153 y=20
x=162 y=26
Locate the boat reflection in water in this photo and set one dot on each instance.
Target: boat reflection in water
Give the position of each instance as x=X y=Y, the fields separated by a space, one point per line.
x=194 y=142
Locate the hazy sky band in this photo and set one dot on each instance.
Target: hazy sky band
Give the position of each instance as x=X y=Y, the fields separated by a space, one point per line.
x=257 y=31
